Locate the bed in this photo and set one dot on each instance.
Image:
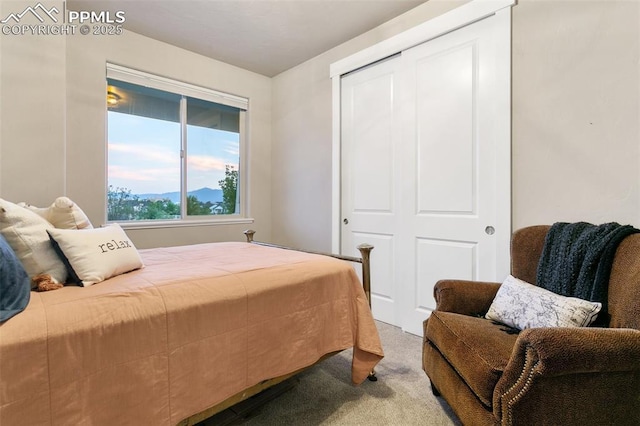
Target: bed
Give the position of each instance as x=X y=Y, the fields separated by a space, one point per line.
x=198 y=328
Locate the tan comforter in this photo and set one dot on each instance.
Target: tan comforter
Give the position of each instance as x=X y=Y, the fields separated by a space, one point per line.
x=195 y=326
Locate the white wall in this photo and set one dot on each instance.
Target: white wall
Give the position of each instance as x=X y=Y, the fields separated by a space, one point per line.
x=53 y=117
x=576 y=113
x=574 y=124
x=32 y=111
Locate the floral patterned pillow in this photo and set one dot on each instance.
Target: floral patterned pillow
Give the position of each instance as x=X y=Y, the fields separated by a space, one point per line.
x=522 y=305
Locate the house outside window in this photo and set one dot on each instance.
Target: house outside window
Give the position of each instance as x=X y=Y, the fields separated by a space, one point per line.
x=174 y=150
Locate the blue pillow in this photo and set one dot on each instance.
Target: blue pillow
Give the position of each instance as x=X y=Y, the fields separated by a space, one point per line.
x=15 y=284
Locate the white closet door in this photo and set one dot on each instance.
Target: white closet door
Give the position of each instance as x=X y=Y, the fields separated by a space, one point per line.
x=449 y=182
x=420 y=147
x=372 y=145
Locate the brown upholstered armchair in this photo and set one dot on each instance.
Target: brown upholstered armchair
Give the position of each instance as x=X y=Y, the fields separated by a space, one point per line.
x=540 y=376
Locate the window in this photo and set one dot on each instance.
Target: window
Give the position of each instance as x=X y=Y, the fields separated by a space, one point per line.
x=173 y=149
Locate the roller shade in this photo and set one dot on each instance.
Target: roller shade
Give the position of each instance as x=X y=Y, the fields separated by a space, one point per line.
x=118 y=72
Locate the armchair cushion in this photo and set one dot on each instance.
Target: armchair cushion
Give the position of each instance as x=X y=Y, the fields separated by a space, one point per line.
x=522 y=305
x=477 y=347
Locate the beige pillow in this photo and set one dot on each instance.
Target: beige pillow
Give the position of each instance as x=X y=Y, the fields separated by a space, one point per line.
x=94 y=255
x=62 y=214
x=26 y=233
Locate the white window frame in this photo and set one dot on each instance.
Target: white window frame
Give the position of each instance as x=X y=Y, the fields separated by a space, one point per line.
x=141 y=78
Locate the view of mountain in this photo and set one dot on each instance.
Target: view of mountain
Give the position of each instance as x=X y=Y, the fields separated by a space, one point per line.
x=202 y=194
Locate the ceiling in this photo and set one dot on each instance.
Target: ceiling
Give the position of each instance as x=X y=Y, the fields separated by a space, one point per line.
x=263 y=36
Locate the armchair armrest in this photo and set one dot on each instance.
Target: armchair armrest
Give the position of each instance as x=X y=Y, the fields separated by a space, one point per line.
x=581 y=350
x=464 y=297
x=575 y=373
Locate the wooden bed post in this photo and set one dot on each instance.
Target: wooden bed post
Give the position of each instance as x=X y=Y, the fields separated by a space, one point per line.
x=365 y=251
x=249 y=234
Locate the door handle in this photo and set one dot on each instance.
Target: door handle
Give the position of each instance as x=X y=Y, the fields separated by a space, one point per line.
x=345 y=221
x=490 y=230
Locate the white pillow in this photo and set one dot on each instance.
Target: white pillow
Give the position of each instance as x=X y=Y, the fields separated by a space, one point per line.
x=95 y=255
x=63 y=214
x=26 y=233
x=522 y=305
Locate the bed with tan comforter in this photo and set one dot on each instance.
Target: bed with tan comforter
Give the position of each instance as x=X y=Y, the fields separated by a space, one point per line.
x=195 y=326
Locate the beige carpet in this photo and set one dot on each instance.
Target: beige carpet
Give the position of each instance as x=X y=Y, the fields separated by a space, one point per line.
x=324 y=394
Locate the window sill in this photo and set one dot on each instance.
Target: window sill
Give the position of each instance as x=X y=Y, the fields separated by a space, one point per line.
x=183 y=223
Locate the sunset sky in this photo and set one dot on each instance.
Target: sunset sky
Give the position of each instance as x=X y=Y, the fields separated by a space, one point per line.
x=144 y=154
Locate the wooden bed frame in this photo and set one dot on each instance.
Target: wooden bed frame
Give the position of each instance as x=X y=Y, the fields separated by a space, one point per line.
x=365 y=251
